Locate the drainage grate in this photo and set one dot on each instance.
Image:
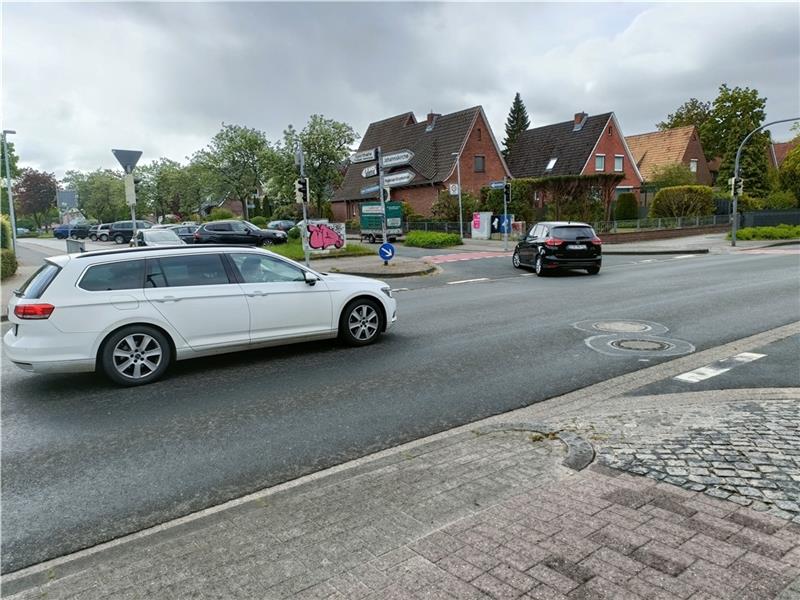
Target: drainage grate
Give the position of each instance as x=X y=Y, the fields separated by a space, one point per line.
x=641 y=345
x=621 y=326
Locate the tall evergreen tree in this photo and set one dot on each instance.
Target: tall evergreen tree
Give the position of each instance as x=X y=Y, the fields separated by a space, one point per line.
x=516 y=123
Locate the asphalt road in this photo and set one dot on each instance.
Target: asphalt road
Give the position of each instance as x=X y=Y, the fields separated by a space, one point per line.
x=84 y=462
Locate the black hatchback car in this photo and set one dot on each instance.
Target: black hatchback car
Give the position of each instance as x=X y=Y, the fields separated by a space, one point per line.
x=553 y=245
x=237 y=232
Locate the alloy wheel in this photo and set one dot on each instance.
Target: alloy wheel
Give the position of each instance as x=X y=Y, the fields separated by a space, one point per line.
x=363 y=322
x=137 y=356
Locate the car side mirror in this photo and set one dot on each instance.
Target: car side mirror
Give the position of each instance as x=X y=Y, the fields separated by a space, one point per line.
x=310 y=278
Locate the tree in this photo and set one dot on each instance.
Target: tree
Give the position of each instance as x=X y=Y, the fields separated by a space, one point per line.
x=692 y=112
x=238 y=157
x=734 y=114
x=35 y=194
x=445 y=207
x=13 y=159
x=790 y=172
x=670 y=175
x=101 y=194
x=516 y=123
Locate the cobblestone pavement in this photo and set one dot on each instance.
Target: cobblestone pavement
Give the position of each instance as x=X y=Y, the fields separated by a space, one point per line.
x=751 y=456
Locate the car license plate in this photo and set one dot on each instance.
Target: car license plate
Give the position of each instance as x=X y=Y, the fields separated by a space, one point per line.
x=576 y=246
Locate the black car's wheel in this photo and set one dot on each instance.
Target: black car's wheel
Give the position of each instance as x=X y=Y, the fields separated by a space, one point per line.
x=119 y=239
x=593 y=270
x=135 y=355
x=515 y=260
x=103 y=237
x=538 y=266
x=361 y=322
x=266 y=242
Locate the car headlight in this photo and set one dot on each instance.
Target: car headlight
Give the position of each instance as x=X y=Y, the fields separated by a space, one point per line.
x=387 y=290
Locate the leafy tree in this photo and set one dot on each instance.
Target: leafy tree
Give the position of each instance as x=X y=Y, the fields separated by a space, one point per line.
x=445 y=207
x=13 y=159
x=692 y=112
x=101 y=194
x=789 y=172
x=670 y=175
x=734 y=114
x=35 y=194
x=516 y=123
x=627 y=207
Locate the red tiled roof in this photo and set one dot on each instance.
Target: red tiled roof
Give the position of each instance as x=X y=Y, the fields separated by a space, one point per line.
x=659 y=148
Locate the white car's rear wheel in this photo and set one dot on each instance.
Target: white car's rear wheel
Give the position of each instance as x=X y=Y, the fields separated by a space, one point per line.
x=136 y=355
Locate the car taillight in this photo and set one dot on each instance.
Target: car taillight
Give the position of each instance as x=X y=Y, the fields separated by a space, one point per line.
x=554 y=242
x=596 y=240
x=33 y=311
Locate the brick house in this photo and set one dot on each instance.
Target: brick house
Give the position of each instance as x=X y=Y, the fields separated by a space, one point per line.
x=778 y=152
x=586 y=145
x=436 y=143
x=673 y=146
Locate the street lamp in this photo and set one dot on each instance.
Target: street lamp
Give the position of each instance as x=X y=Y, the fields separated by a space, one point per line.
x=460 y=212
x=10 y=196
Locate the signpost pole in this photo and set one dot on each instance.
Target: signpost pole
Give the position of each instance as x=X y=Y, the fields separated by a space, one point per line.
x=383 y=200
x=506 y=194
x=300 y=161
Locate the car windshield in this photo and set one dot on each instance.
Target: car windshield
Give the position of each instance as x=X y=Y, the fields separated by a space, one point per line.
x=161 y=235
x=250 y=226
x=571 y=233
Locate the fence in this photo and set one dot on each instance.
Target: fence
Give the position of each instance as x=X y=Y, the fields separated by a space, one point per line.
x=661 y=223
x=768 y=218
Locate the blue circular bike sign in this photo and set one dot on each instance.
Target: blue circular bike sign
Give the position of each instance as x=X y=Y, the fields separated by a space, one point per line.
x=386 y=251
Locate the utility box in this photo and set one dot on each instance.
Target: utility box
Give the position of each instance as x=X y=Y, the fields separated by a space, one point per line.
x=481 y=225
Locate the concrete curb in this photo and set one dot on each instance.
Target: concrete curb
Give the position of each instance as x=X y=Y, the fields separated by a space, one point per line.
x=426 y=271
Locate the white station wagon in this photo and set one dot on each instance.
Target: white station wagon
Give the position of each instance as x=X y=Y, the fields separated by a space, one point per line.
x=130 y=313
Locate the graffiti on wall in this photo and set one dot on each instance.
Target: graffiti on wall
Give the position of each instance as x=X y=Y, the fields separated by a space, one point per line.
x=324 y=236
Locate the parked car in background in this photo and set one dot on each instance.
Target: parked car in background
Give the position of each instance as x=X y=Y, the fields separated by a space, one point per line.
x=157 y=237
x=130 y=313
x=23 y=231
x=232 y=231
x=283 y=225
x=183 y=231
x=67 y=230
x=553 y=245
x=122 y=231
x=99 y=232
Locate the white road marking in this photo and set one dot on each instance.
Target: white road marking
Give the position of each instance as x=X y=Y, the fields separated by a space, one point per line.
x=684 y=256
x=400 y=289
x=648 y=260
x=719 y=367
x=468 y=281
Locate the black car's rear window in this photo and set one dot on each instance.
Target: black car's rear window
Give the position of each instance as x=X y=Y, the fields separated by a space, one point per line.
x=38 y=282
x=572 y=233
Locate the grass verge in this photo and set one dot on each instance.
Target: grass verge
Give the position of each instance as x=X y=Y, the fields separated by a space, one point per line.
x=294 y=249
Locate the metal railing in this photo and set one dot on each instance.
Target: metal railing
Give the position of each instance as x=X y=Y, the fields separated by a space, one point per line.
x=661 y=223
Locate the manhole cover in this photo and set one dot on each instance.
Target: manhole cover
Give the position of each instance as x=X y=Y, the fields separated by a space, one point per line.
x=642 y=345
x=621 y=326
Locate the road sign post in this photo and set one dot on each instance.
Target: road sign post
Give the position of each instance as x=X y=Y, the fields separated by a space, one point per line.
x=127 y=160
x=300 y=162
x=381 y=183
x=506 y=198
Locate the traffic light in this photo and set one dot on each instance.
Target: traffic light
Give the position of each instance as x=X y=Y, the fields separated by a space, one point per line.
x=507 y=192
x=301 y=190
x=738 y=185
x=136 y=186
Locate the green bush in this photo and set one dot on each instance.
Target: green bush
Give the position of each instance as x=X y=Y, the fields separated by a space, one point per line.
x=627 y=207
x=293 y=233
x=218 y=214
x=780 y=200
x=8 y=263
x=683 y=201
x=353 y=225
x=5 y=232
x=432 y=239
x=445 y=207
x=259 y=222
x=779 y=232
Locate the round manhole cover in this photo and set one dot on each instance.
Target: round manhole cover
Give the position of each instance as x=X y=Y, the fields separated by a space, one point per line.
x=641 y=345
x=621 y=326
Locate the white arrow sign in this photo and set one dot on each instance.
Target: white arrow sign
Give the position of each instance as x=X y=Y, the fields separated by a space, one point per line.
x=363 y=156
x=370 y=171
x=395 y=159
x=395 y=179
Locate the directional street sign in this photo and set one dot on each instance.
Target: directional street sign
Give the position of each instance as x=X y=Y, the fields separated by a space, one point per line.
x=127 y=158
x=370 y=171
x=386 y=251
x=395 y=179
x=370 y=189
x=363 y=156
x=395 y=159
x=497 y=185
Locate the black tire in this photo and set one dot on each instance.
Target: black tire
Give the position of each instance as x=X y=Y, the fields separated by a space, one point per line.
x=93 y=237
x=538 y=266
x=371 y=238
x=103 y=237
x=135 y=355
x=361 y=322
x=119 y=239
x=515 y=260
x=593 y=270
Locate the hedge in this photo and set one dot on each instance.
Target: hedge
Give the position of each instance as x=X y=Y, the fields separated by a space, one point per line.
x=627 y=207
x=432 y=239
x=683 y=201
x=779 y=232
x=8 y=263
x=5 y=232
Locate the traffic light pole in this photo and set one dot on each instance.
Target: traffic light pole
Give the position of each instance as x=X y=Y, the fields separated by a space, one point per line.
x=506 y=194
x=304 y=232
x=735 y=224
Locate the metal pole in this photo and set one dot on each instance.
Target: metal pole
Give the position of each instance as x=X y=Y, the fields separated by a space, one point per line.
x=11 y=214
x=383 y=201
x=301 y=162
x=505 y=214
x=735 y=224
x=460 y=210
x=133 y=217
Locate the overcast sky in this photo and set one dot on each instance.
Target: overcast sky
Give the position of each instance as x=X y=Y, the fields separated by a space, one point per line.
x=81 y=78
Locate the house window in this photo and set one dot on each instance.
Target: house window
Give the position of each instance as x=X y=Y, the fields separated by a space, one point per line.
x=479 y=134
x=610 y=130
x=618 y=163
x=600 y=162
x=693 y=165
x=551 y=164
x=480 y=164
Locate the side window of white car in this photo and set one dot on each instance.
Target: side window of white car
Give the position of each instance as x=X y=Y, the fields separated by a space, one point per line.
x=255 y=268
x=181 y=271
x=123 y=275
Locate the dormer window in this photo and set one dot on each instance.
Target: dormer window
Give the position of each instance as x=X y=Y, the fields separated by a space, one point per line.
x=551 y=164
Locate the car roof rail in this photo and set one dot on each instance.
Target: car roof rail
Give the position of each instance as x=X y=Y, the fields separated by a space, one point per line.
x=184 y=247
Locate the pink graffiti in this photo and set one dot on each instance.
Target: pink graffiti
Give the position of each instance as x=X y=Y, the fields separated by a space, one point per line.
x=322 y=236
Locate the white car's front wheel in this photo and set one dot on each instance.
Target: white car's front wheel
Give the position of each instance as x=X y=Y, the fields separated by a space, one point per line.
x=361 y=322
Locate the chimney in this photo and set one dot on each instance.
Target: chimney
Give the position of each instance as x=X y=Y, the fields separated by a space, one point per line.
x=580 y=119
x=432 y=116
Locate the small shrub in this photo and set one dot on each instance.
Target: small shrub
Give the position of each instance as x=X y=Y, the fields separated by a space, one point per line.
x=353 y=225
x=293 y=233
x=218 y=214
x=432 y=239
x=5 y=232
x=627 y=207
x=683 y=201
x=779 y=232
x=259 y=222
x=748 y=203
x=8 y=263
x=780 y=200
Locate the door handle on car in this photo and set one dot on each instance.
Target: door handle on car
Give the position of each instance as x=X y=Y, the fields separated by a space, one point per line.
x=167 y=299
x=256 y=293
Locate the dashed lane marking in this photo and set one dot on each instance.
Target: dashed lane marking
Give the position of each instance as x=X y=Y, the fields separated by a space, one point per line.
x=719 y=367
x=468 y=281
x=684 y=256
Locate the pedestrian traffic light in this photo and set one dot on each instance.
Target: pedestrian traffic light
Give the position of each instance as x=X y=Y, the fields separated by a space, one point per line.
x=301 y=190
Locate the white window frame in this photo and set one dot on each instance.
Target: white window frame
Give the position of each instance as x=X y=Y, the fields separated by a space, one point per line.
x=621 y=158
x=603 y=157
x=693 y=165
x=551 y=164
